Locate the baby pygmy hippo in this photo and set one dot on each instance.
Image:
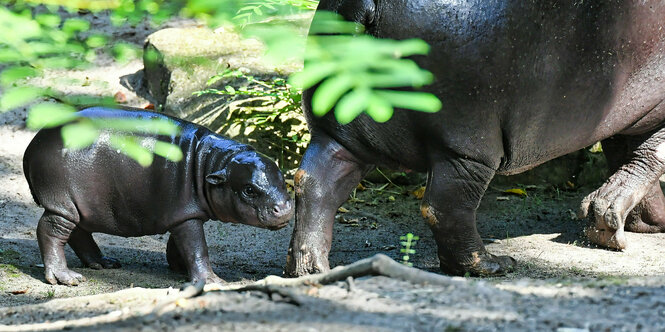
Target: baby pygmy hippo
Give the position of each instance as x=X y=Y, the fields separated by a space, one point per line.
x=100 y=189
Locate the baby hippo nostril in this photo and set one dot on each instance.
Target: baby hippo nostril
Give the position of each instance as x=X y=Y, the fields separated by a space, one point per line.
x=282 y=209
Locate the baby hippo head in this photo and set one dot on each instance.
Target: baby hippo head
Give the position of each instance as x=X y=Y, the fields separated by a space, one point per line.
x=250 y=190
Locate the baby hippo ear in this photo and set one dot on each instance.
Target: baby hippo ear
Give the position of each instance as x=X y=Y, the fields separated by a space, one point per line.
x=216 y=178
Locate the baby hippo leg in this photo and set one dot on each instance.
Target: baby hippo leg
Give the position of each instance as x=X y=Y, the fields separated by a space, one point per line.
x=88 y=252
x=187 y=248
x=53 y=232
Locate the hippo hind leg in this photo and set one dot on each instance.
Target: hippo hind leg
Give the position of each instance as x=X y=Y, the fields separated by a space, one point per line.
x=88 y=252
x=631 y=198
x=53 y=232
x=648 y=216
x=455 y=187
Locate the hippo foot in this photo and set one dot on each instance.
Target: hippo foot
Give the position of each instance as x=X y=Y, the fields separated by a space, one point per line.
x=607 y=209
x=304 y=262
x=103 y=263
x=605 y=236
x=65 y=277
x=483 y=264
x=606 y=219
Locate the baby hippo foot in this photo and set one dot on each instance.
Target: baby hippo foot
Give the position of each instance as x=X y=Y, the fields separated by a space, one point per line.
x=479 y=264
x=88 y=251
x=101 y=262
x=64 y=276
x=105 y=263
x=177 y=263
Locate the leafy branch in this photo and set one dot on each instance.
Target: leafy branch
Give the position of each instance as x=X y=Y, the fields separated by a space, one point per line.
x=257 y=11
x=268 y=105
x=355 y=73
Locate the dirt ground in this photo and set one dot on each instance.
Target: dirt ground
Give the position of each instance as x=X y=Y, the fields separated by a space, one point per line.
x=561 y=283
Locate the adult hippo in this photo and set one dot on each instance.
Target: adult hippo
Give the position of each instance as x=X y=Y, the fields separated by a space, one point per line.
x=521 y=82
x=99 y=189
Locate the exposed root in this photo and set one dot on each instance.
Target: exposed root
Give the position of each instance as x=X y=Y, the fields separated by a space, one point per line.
x=376 y=265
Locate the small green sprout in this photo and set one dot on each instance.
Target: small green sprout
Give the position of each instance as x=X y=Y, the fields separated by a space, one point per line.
x=408 y=241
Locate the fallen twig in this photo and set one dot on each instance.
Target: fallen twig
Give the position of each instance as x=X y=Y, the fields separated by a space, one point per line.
x=378 y=264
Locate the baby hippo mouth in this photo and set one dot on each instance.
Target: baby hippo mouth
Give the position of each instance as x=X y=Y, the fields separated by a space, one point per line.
x=277 y=216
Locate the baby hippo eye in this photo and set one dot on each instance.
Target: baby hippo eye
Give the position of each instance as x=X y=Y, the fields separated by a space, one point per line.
x=249 y=191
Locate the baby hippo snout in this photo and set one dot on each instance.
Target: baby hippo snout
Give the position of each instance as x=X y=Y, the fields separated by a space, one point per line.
x=280 y=214
x=283 y=210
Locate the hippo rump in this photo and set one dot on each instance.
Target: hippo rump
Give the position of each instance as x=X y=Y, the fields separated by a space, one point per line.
x=99 y=189
x=521 y=82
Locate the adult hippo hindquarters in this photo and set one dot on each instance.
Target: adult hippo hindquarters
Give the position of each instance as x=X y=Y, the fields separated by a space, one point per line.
x=521 y=82
x=99 y=189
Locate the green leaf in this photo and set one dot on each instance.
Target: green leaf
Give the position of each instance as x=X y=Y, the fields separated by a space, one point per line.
x=351 y=105
x=327 y=94
x=123 y=52
x=43 y=48
x=48 y=20
x=154 y=126
x=56 y=62
x=13 y=74
x=379 y=109
x=87 y=100
x=169 y=151
x=418 y=101
x=410 y=47
x=312 y=74
x=147 y=126
x=19 y=96
x=10 y=55
x=326 y=22
x=129 y=146
x=73 y=25
x=47 y=115
x=79 y=135
x=95 y=41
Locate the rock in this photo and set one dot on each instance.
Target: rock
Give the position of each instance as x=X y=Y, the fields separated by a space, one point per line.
x=179 y=62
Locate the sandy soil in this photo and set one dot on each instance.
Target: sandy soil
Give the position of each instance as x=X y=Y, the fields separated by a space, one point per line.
x=561 y=282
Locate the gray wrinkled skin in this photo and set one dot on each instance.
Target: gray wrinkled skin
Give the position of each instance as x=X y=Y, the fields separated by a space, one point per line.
x=99 y=189
x=521 y=82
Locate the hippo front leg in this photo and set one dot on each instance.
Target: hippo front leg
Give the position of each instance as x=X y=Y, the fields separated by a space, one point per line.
x=327 y=175
x=192 y=251
x=454 y=190
x=610 y=205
